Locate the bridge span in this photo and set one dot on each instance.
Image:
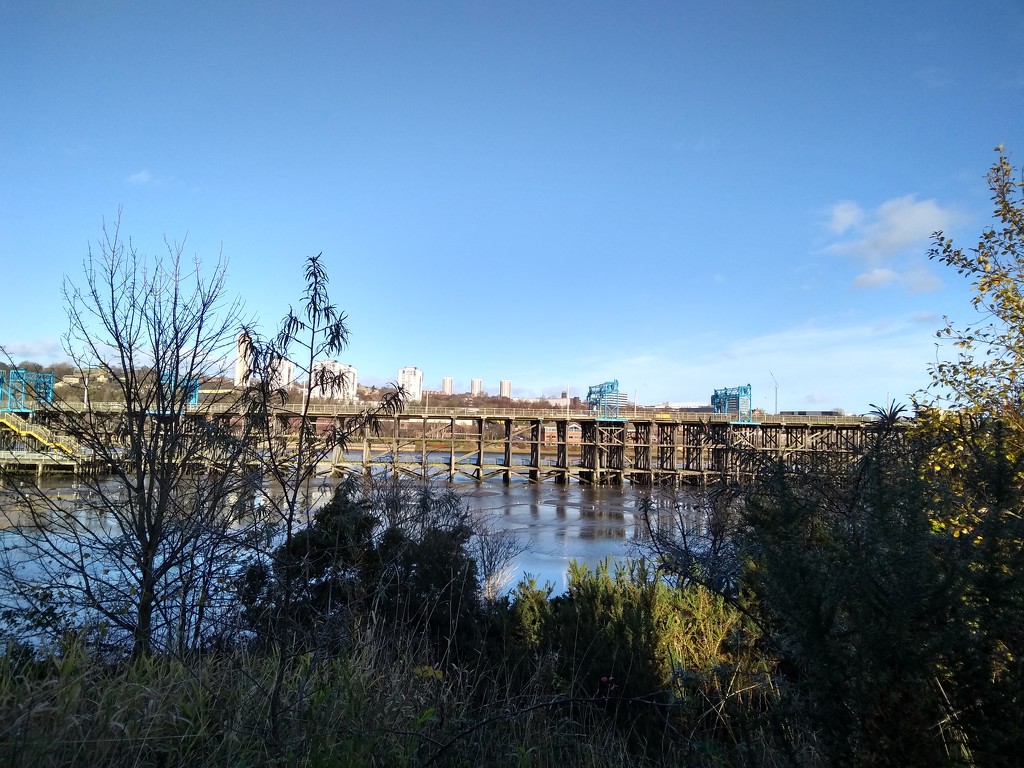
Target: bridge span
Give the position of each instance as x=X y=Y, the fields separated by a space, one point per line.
x=649 y=447
x=645 y=447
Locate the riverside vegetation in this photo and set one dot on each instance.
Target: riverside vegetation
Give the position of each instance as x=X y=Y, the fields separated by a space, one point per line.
x=864 y=610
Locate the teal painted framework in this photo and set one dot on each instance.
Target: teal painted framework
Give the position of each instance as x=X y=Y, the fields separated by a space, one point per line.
x=603 y=399
x=22 y=390
x=738 y=400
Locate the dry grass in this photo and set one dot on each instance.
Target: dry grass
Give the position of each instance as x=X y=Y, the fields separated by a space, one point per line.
x=381 y=705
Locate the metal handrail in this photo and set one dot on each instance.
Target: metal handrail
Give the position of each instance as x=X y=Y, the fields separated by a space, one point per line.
x=43 y=434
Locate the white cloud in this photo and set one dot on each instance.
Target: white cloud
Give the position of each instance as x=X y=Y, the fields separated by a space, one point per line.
x=875 y=278
x=43 y=351
x=893 y=227
x=141 y=178
x=816 y=367
x=889 y=240
x=844 y=216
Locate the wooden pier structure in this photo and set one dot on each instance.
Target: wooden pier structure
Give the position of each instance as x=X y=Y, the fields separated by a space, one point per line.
x=647 y=448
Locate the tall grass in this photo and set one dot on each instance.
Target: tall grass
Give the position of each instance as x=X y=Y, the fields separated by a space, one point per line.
x=382 y=704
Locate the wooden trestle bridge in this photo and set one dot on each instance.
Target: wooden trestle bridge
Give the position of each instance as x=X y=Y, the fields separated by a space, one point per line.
x=648 y=447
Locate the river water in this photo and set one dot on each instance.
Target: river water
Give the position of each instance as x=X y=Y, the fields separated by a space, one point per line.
x=553 y=523
x=559 y=523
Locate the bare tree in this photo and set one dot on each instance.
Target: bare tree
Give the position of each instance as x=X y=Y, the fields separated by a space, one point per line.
x=691 y=534
x=290 y=445
x=140 y=550
x=495 y=551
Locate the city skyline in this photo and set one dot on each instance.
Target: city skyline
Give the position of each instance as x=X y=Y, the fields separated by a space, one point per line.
x=682 y=197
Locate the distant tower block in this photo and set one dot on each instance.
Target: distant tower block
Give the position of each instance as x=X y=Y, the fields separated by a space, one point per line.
x=336 y=380
x=243 y=346
x=410 y=379
x=447 y=385
x=476 y=386
x=505 y=388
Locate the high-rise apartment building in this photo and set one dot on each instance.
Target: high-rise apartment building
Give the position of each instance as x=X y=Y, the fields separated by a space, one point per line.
x=283 y=374
x=336 y=380
x=242 y=360
x=447 y=385
x=505 y=388
x=410 y=379
x=476 y=386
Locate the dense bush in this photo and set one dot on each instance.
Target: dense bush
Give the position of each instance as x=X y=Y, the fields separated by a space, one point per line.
x=395 y=550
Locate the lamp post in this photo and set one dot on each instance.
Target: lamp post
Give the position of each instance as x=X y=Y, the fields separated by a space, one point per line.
x=776 y=392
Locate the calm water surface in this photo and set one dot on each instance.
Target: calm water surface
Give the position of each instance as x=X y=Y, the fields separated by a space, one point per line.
x=556 y=523
x=560 y=523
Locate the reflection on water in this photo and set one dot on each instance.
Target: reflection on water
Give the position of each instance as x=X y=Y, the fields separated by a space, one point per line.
x=560 y=523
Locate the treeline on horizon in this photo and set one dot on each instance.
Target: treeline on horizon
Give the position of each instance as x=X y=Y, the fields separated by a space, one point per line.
x=102 y=389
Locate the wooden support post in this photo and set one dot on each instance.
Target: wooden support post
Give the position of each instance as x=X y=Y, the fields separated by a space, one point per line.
x=451 y=451
x=562 y=452
x=423 y=449
x=507 y=472
x=481 y=425
x=536 y=438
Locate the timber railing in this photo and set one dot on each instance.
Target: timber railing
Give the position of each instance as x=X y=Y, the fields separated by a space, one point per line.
x=548 y=414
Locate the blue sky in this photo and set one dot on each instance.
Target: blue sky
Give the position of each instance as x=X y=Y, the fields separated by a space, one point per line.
x=681 y=196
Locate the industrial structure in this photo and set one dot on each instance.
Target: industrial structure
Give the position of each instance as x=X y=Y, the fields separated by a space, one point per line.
x=26 y=445
x=652 y=447
x=736 y=401
x=22 y=390
x=243 y=352
x=603 y=400
x=282 y=375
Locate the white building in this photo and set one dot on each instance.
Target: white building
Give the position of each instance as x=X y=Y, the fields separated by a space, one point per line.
x=476 y=386
x=242 y=360
x=505 y=388
x=335 y=379
x=410 y=379
x=447 y=385
x=283 y=374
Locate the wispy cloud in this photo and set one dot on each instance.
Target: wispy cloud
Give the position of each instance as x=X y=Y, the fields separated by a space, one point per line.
x=43 y=351
x=889 y=240
x=919 y=279
x=875 y=278
x=890 y=229
x=141 y=178
x=845 y=215
x=816 y=367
